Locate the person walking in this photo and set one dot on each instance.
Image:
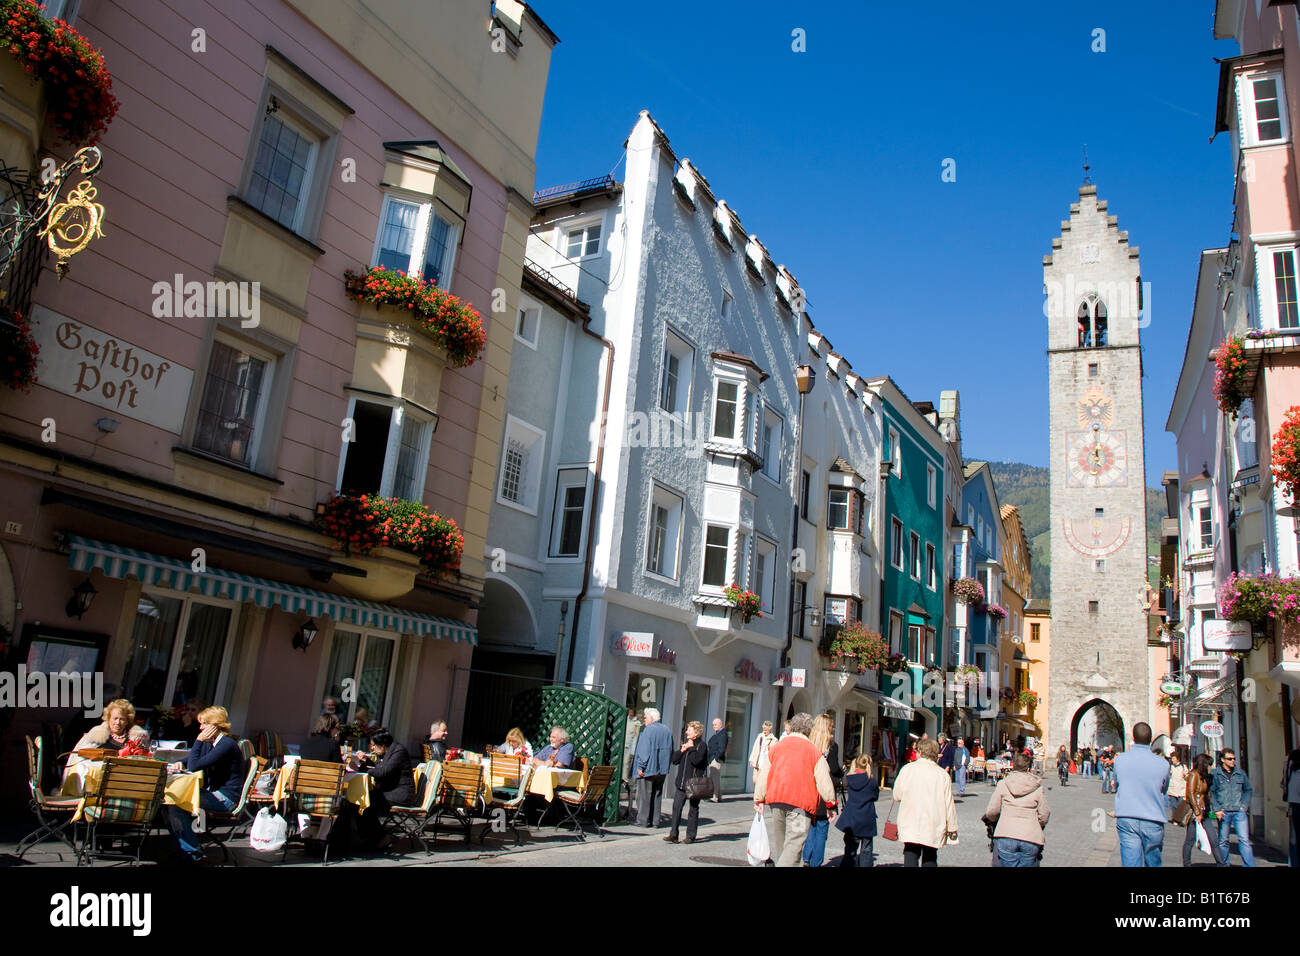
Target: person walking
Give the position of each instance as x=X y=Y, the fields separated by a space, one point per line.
x=797 y=779
x=1019 y=809
x=653 y=758
x=1063 y=764
x=1177 y=791
x=927 y=816
x=1107 y=762
x=1087 y=762
x=822 y=737
x=691 y=760
x=858 y=821
x=1291 y=794
x=961 y=763
x=717 y=755
x=758 y=754
x=947 y=753
x=1197 y=783
x=1141 y=781
x=1230 y=794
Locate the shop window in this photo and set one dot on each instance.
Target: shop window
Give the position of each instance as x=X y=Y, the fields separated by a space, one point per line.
x=367 y=661
x=178 y=651
x=386 y=452
x=645 y=690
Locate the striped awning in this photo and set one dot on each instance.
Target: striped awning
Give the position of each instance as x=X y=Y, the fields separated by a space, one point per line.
x=155 y=570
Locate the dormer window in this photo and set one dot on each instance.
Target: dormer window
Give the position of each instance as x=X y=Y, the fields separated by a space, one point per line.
x=1092 y=323
x=1263 y=119
x=583 y=242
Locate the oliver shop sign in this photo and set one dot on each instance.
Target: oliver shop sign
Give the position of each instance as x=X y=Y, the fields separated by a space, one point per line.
x=80 y=360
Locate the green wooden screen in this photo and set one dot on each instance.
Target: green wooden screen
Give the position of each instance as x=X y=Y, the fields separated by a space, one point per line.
x=597 y=727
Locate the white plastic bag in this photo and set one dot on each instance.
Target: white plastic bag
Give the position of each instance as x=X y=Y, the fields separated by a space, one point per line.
x=758 y=851
x=1202 y=840
x=269 y=831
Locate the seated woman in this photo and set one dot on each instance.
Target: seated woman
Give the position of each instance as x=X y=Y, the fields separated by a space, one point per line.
x=558 y=753
x=217 y=754
x=516 y=745
x=323 y=744
x=392 y=783
x=185 y=725
x=118 y=727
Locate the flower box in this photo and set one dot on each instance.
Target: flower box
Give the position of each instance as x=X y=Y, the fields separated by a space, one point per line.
x=1260 y=598
x=390 y=573
x=1285 y=464
x=1230 y=374
x=746 y=602
x=854 y=648
x=453 y=326
x=18 y=351
x=968 y=591
x=391 y=539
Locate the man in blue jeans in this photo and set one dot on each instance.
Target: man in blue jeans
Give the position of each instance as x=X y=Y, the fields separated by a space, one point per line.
x=1141 y=780
x=1230 y=793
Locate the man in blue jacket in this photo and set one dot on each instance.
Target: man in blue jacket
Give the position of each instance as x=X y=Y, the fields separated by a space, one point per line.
x=653 y=755
x=1141 y=780
x=1230 y=793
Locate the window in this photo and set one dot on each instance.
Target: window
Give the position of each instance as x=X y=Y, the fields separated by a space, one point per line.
x=765 y=573
x=1092 y=323
x=896 y=633
x=386 y=451
x=232 y=411
x=931 y=578
x=930 y=647
x=582 y=242
x=773 y=426
x=521 y=465
x=916 y=555
x=665 y=532
x=1099 y=512
x=675 y=381
x=915 y=643
x=726 y=406
x=65 y=10
x=1284 y=287
x=368 y=661
x=282 y=169
x=1264 y=118
x=801 y=595
x=805 y=484
x=1094 y=607
x=1099 y=564
x=417 y=237
x=970 y=516
x=1034 y=632
x=1205 y=526
x=727 y=303
x=896 y=530
x=570 y=504
x=527 y=323
x=178 y=650
x=837 y=508
x=932 y=485
x=717 y=541
x=1092 y=370
x=895 y=454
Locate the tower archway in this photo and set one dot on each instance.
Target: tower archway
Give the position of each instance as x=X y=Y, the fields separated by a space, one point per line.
x=1097 y=724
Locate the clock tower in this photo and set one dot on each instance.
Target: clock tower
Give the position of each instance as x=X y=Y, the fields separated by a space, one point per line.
x=1099 y=678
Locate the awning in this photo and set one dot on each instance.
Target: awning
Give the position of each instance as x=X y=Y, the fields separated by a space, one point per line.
x=1220 y=695
x=152 y=570
x=894 y=708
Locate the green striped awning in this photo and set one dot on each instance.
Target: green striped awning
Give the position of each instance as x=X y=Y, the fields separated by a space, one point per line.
x=155 y=570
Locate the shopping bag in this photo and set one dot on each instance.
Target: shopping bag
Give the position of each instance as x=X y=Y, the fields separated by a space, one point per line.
x=758 y=851
x=1202 y=840
x=269 y=831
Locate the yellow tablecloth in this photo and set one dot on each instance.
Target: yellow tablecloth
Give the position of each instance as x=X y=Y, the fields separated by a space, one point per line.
x=546 y=780
x=356 y=787
x=83 y=780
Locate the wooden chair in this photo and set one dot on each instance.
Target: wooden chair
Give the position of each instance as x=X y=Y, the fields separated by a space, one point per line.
x=977 y=766
x=53 y=812
x=514 y=806
x=508 y=768
x=246 y=748
x=575 y=803
x=232 y=820
x=257 y=798
x=427 y=751
x=129 y=795
x=413 y=820
x=315 y=788
x=462 y=796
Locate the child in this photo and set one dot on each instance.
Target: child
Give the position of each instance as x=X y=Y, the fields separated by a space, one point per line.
x=858 y=821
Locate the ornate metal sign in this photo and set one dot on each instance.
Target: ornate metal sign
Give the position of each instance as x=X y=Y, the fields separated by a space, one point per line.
x=72 y=224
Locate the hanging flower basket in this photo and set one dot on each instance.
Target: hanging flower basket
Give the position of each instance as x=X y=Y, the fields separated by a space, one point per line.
x=968 y=673
x=78 y=90
x=362 y=523
x=1260 y=598
x=453 y=325
x=18 y=351
x=1027 y=698
x=1286 y=455
x=968 y=591
x=1230 y=374
x=745 y=601
x=1167 y=701
x=855 y=649
x=995 y=611
x=894 y=663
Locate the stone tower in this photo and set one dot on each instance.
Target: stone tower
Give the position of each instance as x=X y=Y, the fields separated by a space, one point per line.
x=1093 y=287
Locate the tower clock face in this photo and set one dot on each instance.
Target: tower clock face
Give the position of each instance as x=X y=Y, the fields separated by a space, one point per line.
x=1097 y=458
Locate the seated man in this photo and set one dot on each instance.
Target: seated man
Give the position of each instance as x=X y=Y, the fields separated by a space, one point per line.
x=558 y=753
x=437 y=740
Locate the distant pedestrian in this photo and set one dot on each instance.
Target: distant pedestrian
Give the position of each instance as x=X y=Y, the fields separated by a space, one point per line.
x=717 y=754
x=758 y=754
x=1141 y=780
x=1177 y=791
x=960 y=764
x=947 y=753
x=791 y=790
x=1291 y=794
x=1197 y=794
x=1063 y=764
x=1107 y=763
x=1230 y=794
x=1087 y=761
x=1019 y=807
x=653 y=757
x=927 y=816
x=823 y=738
x=691 y=760
x=858 y=821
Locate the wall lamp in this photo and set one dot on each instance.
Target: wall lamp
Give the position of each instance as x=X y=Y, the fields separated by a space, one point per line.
x=82 y=597
x=305 y=635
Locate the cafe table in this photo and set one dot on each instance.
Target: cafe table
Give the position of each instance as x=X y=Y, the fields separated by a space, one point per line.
x=546 y=780
x=83 y=779
x=356 y=786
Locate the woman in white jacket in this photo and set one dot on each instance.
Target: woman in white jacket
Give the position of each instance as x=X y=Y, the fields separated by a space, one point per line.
x=927 y=816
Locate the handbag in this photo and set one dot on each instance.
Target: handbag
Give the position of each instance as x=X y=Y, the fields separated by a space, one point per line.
x=698 y=788
x=1182 y=813
x=891 y=828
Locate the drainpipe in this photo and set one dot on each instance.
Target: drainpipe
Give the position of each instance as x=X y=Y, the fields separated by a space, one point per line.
x=595 y=492
x=805 y=377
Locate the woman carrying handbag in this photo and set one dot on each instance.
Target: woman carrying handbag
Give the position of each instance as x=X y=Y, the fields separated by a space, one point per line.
x=693 y=784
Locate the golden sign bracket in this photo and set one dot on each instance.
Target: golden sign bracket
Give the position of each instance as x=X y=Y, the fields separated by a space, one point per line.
x=69 y=226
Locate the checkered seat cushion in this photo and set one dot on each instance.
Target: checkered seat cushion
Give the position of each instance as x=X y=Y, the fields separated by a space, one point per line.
x=119 y=810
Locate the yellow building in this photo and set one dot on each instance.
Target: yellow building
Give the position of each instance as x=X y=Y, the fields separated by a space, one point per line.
x=1016 y=583
x=1037 y=646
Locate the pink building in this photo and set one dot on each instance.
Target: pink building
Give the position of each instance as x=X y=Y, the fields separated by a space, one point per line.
x=179 y=440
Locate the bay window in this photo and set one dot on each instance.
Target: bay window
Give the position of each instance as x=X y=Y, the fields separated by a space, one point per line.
x=417 y=237
x=385 y=449
x=717 y=544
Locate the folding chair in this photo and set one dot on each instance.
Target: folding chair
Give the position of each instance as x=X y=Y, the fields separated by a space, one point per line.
x=315 y=788
x=129 y=795
x=574 y=804
x=508 y=768
x=53 y=813
x=412 y=820
x=462 y=789
x=513 y=804
x=232 y=820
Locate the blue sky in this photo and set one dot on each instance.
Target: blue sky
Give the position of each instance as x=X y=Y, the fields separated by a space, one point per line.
x=833 y=158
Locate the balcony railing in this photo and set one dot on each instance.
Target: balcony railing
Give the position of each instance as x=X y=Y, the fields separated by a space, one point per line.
x=596 y=184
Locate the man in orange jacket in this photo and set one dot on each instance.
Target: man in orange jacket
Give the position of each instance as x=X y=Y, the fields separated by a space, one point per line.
x=798 y=776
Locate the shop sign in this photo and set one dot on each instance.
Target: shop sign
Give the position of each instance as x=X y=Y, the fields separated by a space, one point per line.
x=1172 y=688
x=787 y=677
x=666 y=655
x=79 y=360
x=748 y=670
x=1226 y=635
x=633 y=644
x=1212 y=729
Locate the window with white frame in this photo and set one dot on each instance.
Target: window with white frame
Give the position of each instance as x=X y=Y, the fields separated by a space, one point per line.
x=895 y=454
x=521 y=465
x=675 y=379
x=895 y=633
x=728 y=302
x=570 y=506
x=726 y=410
x=582 y=241
x=280 y=181
x=232 y=411
x=837 y=508
x=932 y=485
x=931 y=573
x=385 y=449
x=528 y=321
x=764 y=584
x=717 y=547
x=1263 y=109
x=770 y=448
x=178 y=650
x=1278 y=285
x=915 y=554
x=1205 y=525
x=915 y=643
x=65 y=10
x=896 y=542
x=662 y=548
x=1247 y=446
x=366 y=662
x=417 y=237
x=805 y=493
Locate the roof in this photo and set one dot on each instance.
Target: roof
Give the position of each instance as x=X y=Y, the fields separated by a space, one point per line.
x=841 y=465
x=428 y=150
x=1225 y=86
x=972 y=467
x=1039 y=606
x=605 y=185
x=741 y=360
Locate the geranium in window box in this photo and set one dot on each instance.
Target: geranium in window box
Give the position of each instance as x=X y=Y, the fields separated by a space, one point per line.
x=1286 y=455
x=1259 y=598
x=968 y=673
x=745 y=601
x=968 y=591
x=18 y=351
x=996 y=611
x=855 y=649
x=453 y=325
x=894 y=663
x=1027 y=698
x=1230 y=374
x=78 y=90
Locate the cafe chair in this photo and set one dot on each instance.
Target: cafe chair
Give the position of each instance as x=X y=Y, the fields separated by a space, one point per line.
x=130 y=793
x=232 y=820
x=513 y=805
x=315 y=788
x=412 y=821
x=427 y=751
x=576 y=803
x=246 y=748
x=53 y=812
x=258 y=797
x=462 y=796
x=507 y=768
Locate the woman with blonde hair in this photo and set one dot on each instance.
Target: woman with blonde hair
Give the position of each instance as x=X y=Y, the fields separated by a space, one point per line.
x=215 y=752
x=516 y=745
x=858 y=821
x=118 y=727
x=823 y=738
x=692 y=761
x=758 y=754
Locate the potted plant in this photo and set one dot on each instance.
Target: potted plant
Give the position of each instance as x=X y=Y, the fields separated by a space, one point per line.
x=995 y=611
x=1260 y=598
x=968 y=591
x=1286 y=455
x=1230 y=374
x=745 y=601
x=396 y=537
x=18 y=351
x=854 y=648
x=453 y=325
x=1027 y=698
x=894 y=663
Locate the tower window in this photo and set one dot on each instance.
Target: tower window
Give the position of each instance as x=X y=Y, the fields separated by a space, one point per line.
x=1092 y=325
x=1099 y=564
x=1099 y=512
x=1094 y=607
x=1092 y=370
